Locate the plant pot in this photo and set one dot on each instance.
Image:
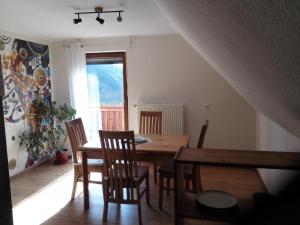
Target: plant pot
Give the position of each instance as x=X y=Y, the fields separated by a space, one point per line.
x=61 y=156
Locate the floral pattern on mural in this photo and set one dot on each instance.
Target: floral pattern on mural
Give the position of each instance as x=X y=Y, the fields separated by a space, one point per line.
x=26 y=74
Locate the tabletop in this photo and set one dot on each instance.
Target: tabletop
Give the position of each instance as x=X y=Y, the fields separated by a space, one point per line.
x=163 y=144
x=240 y=158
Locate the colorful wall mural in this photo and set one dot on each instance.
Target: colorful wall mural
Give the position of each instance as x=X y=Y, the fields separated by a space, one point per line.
x=26 y=73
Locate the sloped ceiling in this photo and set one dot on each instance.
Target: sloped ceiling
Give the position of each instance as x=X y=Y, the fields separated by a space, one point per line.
x=254 y=45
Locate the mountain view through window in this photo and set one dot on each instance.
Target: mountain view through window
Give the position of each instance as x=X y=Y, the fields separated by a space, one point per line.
x=107 y=93
x=105 y=82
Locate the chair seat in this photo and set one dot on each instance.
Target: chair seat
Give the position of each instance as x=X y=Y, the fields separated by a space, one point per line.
x=167 y=170
x=93 y=162
x=143 y=171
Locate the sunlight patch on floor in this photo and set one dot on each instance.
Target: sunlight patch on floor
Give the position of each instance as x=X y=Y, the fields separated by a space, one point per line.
x=39 y=207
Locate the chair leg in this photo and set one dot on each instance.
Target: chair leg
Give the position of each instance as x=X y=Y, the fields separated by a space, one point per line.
x=140 y=213
x=155 y=173
x=168 y=186
x=197 y=182
x=74 y=183
x=105 y=208
x=105 y=201
x=187 y=185
x=139 y=206
x=161 y=185
x=148 y=190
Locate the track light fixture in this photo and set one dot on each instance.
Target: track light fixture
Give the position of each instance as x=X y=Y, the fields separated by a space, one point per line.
x=77 y=20
x=98 y=10
x=119 y=18
x=100 y=20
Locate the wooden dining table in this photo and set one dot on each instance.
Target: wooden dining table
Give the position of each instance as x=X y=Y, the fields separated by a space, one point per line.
x=158 y=148
x=185 y=204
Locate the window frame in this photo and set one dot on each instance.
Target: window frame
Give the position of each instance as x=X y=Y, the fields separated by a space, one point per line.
x=99 y=55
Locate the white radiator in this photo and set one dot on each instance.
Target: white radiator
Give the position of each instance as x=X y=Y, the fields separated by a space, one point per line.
x=172 y=116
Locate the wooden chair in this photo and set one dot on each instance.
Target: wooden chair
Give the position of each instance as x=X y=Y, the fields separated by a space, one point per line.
x=77 y=137
x=122 y=177
x=151 y=123
x=191 y=173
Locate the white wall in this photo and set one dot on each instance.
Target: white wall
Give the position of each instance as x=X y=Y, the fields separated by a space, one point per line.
x=59 y=78
x=165 y=69
x=271 y=136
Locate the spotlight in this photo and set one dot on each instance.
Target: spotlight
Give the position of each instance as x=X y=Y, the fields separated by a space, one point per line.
x=100 y=20
x=78 y=20
x=75 y=21
x=119 y=18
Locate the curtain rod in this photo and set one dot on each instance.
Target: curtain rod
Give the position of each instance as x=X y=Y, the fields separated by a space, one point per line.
x=68 y=45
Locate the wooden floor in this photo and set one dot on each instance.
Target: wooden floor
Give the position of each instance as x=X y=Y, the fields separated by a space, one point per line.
x=42 y=196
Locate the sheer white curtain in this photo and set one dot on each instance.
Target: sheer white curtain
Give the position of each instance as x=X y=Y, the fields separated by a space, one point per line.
x=95 y=117
x=78 y=86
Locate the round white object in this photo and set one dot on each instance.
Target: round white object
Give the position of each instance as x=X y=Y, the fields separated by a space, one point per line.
x=216 y=199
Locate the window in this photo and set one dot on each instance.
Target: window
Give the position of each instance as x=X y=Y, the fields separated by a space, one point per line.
x=107 y=90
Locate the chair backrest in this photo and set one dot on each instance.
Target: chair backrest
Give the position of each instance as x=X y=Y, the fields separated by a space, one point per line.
x=77 y=137
x=150 y=122
x=120 y=165
x=202 y=134
x=197 y=186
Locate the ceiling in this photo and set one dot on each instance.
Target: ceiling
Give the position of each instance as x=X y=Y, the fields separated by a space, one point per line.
x=53 y=19
x=254 y=45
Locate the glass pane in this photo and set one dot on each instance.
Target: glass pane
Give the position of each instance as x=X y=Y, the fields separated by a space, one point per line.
x=106 y=97
x=105 y=84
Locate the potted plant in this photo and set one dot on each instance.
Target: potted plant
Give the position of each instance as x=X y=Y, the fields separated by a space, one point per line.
x=46 y=130
x=34 y=142
x=56 y=134
x=34 y=139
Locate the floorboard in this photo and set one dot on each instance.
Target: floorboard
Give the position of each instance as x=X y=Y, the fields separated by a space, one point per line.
x=42 y=196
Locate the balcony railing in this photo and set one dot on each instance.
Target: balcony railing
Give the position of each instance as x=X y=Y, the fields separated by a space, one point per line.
x=112 y=117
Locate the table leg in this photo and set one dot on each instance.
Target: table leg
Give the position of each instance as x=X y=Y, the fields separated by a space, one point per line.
x=85 y=181
x=178 y=192
x=197 y=182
